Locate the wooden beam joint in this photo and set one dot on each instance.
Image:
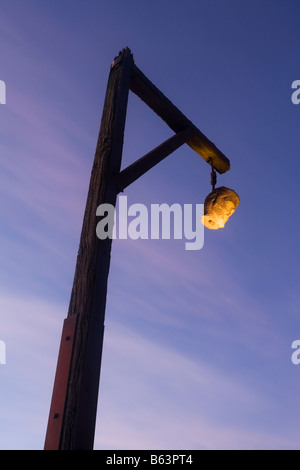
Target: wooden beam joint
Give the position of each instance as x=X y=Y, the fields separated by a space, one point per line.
x=175 y=119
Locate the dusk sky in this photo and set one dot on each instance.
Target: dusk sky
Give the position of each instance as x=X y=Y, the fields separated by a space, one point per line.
x=197 y=350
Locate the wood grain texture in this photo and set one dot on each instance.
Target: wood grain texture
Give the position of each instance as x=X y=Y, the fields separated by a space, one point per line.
x=88 y=297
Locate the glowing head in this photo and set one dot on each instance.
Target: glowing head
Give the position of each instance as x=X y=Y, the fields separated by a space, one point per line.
x=219 y=205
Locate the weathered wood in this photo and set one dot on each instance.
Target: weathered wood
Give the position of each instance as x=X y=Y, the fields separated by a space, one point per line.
x=88 y=297
x=176 y=120
x=148 y=161
x=79 y=369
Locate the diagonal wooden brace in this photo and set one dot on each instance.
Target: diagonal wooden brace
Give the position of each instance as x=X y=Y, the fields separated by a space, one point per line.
x=148 y=161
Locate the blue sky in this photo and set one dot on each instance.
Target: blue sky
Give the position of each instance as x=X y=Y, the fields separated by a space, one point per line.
x=197 y=351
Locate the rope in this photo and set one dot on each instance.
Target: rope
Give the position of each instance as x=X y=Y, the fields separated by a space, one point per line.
x=213 y=175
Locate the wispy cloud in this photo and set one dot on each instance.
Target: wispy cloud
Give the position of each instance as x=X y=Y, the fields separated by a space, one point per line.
x=194 y=290
x=31 y=330
x=155 y=397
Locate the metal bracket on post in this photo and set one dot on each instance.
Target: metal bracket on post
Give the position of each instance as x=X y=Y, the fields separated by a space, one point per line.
x=60 y=384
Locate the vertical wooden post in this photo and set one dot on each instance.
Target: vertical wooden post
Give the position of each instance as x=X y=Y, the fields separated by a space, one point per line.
x=72 y=418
